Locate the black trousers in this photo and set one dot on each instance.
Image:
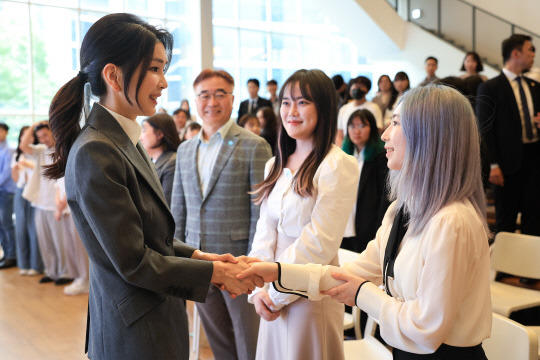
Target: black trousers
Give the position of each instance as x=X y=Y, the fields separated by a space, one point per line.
x=444 y=352
x=521 y=193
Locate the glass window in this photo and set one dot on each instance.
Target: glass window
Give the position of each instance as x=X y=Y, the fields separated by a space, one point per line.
x=285 y=10
x=52 y=52
x=285 y=48
x=15 y=74
x=281 y=75
x=311 y=14
x=146 y=8
x=109 y=6
x=62 y=3
x=224 y=10
x=253 y=46
x=178 y=8
x=180 y=87
x=252 y=10
x=87 y=19
x=225 y=43
x=183 y=42
x=317 y=50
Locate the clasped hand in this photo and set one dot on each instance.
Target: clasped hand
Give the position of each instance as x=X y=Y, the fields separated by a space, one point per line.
x=226 y=269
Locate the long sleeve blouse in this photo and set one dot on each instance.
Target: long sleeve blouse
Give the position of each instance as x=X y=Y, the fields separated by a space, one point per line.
x=440 y=291
x=300 y=230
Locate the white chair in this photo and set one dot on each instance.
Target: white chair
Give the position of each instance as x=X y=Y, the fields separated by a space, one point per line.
x=367 y=348
x=517 y=255
x=350 y=321
x=536 y=329
x=510 y=340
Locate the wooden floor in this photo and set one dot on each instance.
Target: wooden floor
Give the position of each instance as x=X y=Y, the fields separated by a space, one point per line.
x=37 y=321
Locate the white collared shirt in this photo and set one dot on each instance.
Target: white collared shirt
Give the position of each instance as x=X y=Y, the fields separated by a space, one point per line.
x=515 y=87
x=207 y=153
x=130 y=127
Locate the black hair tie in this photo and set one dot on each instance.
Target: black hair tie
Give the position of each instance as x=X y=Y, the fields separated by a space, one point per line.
x=83 y=76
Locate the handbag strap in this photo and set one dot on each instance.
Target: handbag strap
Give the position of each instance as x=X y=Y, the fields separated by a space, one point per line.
x=398 y=231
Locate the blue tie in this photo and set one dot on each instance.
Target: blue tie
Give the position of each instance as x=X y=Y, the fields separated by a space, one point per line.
x=525 y=107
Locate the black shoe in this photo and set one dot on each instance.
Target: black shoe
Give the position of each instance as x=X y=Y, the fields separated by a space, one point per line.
x=45 y=279
x=7 y=263
x=62 y=281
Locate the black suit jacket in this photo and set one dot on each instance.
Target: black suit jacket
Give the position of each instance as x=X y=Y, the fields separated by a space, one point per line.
x=244 y=106
x=371 y=204
x=500 y=123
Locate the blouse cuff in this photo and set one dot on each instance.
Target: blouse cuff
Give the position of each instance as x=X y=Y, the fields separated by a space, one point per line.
x=371 y=299
x=357 y=291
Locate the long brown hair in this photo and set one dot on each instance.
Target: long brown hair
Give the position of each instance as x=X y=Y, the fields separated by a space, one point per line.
x=121 y=39
x=164 y=124
x=315 y=86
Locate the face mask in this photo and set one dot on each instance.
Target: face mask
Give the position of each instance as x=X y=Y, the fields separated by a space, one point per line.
x=357 y=94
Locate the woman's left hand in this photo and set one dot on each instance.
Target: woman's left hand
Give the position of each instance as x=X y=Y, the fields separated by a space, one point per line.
x=346 y=292
x=199 y=255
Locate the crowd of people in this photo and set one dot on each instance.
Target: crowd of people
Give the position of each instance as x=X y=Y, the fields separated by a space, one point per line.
x=214 y=210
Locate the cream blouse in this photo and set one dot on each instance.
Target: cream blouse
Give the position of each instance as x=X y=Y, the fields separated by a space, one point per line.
x=441 y=290
x=300 y=230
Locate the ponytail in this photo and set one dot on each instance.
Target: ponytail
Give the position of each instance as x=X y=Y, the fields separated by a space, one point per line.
x=64 y=116
x=121 y=39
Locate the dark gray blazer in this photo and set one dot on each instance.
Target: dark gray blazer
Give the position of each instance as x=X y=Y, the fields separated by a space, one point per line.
x=165 y=165
x=223 y=220
x=138 y=273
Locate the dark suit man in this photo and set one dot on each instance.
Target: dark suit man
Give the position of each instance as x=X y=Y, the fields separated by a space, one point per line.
x=213 y=210
x=508 y=108
x=254 y=103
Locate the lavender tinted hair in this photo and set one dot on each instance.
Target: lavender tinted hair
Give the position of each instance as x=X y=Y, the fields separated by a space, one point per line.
x=442 y=157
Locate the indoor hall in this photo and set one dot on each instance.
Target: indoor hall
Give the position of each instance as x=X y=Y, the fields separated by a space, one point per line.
x=264 y=40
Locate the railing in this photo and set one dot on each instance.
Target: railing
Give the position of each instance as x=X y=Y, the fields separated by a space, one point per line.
x=463 y=25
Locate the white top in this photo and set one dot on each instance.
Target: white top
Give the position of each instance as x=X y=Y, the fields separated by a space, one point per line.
x=441 y=284
x=347 y=109
x=25 y=173
x=130 y=127
x=515 y=87
x=293 y=229
x=42 y=187
x=207 y=153
x=350 y=230
x=60 y=187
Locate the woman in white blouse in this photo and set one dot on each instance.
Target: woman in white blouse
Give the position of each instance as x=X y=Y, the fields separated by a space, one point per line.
x=435 y=296
x=306 y=198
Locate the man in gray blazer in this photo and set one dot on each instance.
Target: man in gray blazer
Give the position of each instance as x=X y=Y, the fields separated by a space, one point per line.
x=212 y=207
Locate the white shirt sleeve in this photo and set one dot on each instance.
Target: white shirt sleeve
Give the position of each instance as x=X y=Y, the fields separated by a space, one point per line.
x=321 y=238
x=420 y=325
x=264 y=241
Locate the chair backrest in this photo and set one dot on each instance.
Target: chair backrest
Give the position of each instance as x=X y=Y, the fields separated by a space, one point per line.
x=517 y=254
x=510 y=340
x=345 y=255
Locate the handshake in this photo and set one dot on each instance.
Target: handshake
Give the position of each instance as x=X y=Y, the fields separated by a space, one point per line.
x=226 y=269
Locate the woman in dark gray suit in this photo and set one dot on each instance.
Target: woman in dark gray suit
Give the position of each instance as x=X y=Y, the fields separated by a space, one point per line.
x=138 y=272
x=160 y=139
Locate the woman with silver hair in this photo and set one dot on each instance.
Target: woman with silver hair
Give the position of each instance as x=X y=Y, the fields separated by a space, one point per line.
x=431 y=253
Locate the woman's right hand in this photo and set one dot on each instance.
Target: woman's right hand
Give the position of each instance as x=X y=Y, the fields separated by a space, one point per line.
x=265 y=270
x=263 y=306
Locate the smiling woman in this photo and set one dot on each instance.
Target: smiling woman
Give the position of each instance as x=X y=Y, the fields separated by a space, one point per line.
x=306 y=198
x=138 y=272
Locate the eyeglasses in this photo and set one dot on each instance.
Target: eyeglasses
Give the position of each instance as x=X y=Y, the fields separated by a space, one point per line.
x=358 y=126
x=218 y=95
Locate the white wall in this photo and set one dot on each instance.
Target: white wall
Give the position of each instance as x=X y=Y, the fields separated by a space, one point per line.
x=391 y=43
x=524 y=13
